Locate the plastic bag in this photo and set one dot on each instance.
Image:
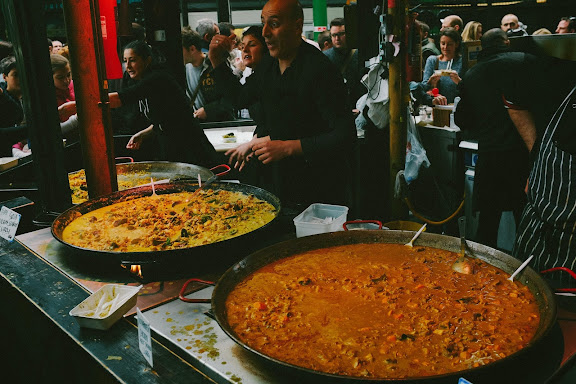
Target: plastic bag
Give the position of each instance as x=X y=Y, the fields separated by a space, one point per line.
x=415 y=153
x=360 y=120
x=377 y=99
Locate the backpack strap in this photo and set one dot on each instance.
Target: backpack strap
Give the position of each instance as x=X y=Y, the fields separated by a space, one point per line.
x=348 y=59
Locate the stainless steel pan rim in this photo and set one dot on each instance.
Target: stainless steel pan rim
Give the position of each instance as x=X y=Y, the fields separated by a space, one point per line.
x=235 y=274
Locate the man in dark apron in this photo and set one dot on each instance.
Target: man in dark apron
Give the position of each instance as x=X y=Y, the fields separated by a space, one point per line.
x=548 y=226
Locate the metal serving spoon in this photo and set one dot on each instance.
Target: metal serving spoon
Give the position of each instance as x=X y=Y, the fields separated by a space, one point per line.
x=463 y=264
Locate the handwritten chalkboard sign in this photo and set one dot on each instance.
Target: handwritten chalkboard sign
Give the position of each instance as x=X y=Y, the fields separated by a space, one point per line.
x=9 y=221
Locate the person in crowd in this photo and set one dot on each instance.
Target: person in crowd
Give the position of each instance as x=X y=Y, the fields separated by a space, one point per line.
x=11 y=110
x=207 y=28
x=324 y=40
x=62 y=75
x=306 y=137
x=254 y=53
x=503 y=161
x=443 y=71
x=227 y=29
x=13 y=131
x=452 y=21
x=511 y=26
x=547 y=227
x=346 y=60
x=472 y=31
x=6 y=49
x=164 y=103
x=209 y=99
x=428 y=44
x=566 y=25
x=65 y=51
x=56 y=46
x=49 y=45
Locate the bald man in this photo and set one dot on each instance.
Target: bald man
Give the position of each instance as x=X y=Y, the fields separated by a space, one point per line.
x=509 y=21
x=305 y=137
x=503 y=160
x=511 y=26
x=453 y=21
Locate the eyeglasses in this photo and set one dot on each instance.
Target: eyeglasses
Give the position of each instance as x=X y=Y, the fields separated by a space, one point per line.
x=338 y=34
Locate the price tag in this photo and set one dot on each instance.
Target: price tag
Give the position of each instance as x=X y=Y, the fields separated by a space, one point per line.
x=144 y=339
x=9 y=221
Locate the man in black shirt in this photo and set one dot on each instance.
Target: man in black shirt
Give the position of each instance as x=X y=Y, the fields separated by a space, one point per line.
x=306 y=134
x=503 y=161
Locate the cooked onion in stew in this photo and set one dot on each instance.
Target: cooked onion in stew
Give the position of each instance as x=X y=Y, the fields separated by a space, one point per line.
x=382 y=311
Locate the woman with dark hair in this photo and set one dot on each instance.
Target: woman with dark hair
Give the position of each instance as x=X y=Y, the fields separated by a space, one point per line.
x=444 y=71
x=254 y=52
x=164 y=103
x=62 y=76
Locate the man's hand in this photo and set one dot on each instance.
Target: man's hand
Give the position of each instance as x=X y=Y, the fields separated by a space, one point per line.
x=200 y=114
x=275 y=150
x=219 y=48
x=239 y=156
x=440 y=100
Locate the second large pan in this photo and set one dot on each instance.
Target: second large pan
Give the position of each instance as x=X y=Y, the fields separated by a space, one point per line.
x=204 y=254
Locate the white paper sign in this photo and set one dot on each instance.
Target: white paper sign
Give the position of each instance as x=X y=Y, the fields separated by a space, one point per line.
x=9 y=221
x=144 y=339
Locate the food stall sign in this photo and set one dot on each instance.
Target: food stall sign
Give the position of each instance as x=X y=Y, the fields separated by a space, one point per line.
x=144 y=339
x=9 y=221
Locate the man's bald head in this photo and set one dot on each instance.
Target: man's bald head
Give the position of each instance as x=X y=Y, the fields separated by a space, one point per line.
x=282 y=21
x=290 y=8
x=495 y=37
x=453 y=21
x=509 y=21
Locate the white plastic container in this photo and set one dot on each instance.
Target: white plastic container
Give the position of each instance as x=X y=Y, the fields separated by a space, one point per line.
x=320 y=218
x=105 y=306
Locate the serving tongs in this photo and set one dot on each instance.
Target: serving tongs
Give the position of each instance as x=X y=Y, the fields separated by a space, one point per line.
x=463 y=264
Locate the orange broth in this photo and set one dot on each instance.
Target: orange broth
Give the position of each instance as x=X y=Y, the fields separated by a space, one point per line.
x=382 y=311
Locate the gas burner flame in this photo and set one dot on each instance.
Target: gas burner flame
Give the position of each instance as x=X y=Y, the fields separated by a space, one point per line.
x=135 y=270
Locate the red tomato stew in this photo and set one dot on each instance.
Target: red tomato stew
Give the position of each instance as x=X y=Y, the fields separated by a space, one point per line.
x=382 y=311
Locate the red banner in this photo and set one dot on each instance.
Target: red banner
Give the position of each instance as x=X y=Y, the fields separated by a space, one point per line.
x=109 y=39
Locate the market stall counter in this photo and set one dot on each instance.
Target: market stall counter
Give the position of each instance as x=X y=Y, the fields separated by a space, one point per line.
x=40 y=285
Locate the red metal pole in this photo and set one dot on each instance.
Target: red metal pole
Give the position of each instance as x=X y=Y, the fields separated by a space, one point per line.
x=91 y=89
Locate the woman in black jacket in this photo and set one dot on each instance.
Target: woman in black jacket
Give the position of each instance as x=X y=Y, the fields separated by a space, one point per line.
x=164 y=103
